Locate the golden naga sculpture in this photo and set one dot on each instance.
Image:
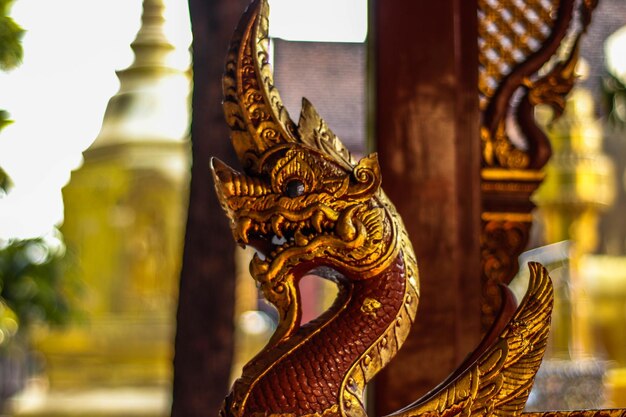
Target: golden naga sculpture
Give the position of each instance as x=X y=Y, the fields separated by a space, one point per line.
x=308 y=207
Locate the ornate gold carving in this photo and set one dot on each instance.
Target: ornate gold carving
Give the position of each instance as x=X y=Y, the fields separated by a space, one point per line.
x=499 y=174
x=502 y=242
x=506 y=221
x=510 y=217
x=555 y=85
x=509 y=32
x=370 y=306
x=499 y=379
x=518 y=42
x=315 y=132
x=499 y=151
x=579 y=413
x=527 y=53
x=252 y=105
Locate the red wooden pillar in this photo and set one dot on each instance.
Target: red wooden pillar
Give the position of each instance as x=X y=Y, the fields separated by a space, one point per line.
x=204 y=336
x=426 y=131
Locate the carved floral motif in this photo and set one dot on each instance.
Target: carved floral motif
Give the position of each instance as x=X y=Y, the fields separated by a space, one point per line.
x=502 y=242
x=527 y=52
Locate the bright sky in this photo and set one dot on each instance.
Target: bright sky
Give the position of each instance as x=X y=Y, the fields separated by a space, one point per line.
x=319 y=20
x=57 y=97
x=615 y=52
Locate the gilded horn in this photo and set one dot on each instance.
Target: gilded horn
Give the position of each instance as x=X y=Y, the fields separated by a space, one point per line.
x=252 y=106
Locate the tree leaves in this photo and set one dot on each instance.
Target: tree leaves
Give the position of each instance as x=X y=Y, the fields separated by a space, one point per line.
x=11 y=54
x=615 y=100
x=11 y=34
x=33 y=286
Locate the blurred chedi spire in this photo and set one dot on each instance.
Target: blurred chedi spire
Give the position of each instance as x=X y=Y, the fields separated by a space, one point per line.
x=152 y=102
x=125 y=211
x=605 y=273
x=151 y=47
x=142 y=157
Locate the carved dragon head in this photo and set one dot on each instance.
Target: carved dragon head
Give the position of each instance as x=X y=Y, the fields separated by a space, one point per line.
x=302 y=200
x=302 y=205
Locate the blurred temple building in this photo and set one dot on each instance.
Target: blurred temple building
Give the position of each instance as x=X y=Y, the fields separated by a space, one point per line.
x=578 y=188
x=583 y=200
x=125 y=211
x=604 y=272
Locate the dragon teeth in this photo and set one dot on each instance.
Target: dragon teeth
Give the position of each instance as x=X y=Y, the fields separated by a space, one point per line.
x=277 y=221
x=316 y=221
x=243 y=226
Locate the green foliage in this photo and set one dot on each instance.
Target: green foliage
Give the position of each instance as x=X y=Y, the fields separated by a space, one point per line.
x=615 y=99
x=33 y=288
x=11 y=33
x=5 y=182
x=11 y=54
x=5 y=119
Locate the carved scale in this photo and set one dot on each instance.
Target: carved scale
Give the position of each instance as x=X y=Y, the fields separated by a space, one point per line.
x=308 y=207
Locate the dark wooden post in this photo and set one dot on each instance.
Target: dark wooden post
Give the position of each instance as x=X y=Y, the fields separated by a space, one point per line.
x=204 y=338
x=425 y=64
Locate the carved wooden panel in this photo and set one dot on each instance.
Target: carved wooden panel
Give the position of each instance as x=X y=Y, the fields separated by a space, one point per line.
x=509 y=32
x=528 y=50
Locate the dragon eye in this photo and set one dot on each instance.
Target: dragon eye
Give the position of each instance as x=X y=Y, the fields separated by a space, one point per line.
x=294 y=188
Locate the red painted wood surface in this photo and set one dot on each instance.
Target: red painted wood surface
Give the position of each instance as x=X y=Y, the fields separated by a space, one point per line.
x=426 y=117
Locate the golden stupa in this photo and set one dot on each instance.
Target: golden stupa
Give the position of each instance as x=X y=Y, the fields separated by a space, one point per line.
x=125 y=211
x=579 y=186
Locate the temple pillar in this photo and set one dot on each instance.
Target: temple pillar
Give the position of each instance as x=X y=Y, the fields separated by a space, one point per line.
x=455 y=84
x=205 y=330
x=426 y=117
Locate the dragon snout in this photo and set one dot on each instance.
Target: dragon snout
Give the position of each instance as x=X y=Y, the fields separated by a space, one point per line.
x=230 y=183
x=225 y=179
x=236 y=193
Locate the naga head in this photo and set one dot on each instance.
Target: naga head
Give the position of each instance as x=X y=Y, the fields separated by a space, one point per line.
x=302 y=201
x=303 y=206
